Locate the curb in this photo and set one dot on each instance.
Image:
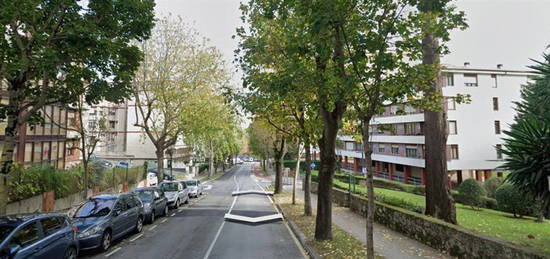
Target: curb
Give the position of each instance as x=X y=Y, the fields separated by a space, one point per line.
x=300 y=236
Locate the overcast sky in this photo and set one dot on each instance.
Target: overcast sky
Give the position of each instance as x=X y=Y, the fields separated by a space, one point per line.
x=508 y=32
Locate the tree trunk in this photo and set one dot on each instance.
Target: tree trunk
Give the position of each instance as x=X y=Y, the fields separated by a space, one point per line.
x=160 y=165
x=279 y=156
x=367 y=149
x=307 y=180
x=296 y=173
x=439 y=202
x=327 y=145
x=211 y=159
x=8 y=152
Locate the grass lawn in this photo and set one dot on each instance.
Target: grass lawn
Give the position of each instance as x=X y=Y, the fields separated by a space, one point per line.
x=343 y=245
x=489 y=222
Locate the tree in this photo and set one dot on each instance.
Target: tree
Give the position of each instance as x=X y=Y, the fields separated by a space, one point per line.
x=436 y=25
x=527 y=143
x=471 y=193
x=511 y=199
x=176 y=69
x=491 y=185
x=52 y=49
x=212 y=128
x=260 y=139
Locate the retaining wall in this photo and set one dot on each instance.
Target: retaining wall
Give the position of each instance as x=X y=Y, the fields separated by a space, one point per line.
x=438 y=234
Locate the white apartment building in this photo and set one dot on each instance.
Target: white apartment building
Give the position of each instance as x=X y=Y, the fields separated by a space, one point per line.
x=475 y=129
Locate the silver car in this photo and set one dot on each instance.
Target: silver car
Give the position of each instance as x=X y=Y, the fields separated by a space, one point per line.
x=175 y=192
x=195 y=187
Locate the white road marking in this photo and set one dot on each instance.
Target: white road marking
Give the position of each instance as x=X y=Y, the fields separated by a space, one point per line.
x=173 y=214
x=112 y=252
x=136 y=237
x=214 y=241
x=152 y=227
x=180 y=210
x=223 y=223
x=164 y=220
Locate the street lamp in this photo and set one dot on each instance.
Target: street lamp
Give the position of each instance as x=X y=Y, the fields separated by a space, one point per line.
x=170 y=152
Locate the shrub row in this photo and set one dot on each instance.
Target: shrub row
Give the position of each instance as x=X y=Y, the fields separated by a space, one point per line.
x=28 y=182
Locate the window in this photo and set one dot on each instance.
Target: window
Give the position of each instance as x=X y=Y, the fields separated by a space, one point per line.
x=451 y=103
x=450 y=79
x=452 y=128
x=495 y=103
x=411 y=152
x=112 y=124
x=92 y=124
x=93 y=112
x=454 y=152
x=112 y=111
x=499 y=151
x=379 y=129
x=409 y=109
x=394 y=109
x=399 y=168
x=28 y=152
x=349 y=145
x=497 y=127
x=410 y=128
x=494 y=79
x=26 y=236
x=395 y=149
x=470 y=80
x=381 y=148
x=52 y=225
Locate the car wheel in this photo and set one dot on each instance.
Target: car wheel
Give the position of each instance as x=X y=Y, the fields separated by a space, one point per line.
x=139 y=225
x=187 y=200
x=177 y=203
x=106 y=240
x=70 y=253
x=152 y=216
x=165 y=211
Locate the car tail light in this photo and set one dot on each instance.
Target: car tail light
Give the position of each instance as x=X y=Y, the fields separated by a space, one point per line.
x=75 y=228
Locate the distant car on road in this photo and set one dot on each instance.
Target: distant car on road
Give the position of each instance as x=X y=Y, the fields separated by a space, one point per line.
x=38 y=236
x=175 y=192
x=154 y=202
x=107 y=217
x=195 y=187
x=124 y=164
x=167 y=177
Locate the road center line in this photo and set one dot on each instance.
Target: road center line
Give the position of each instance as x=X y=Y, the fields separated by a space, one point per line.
x=164 y=220
x=152 y=227
x=112 y=252
x=136 y=237
x=223 y=223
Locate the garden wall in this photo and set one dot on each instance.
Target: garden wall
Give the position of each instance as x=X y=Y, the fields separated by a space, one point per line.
x=442 y=236
x=38 y=203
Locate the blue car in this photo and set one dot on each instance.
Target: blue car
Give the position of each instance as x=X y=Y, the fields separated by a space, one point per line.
x=38 y=236
x=105 y=218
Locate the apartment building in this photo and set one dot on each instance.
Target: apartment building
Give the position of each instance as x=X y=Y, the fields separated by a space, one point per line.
x=109 y=122
x=475 y=130
x=45 y=144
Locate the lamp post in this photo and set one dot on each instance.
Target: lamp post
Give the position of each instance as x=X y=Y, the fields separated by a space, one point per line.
x=170 y=152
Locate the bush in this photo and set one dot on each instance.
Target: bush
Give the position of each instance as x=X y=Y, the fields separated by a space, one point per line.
x=491 y=185
x=490 y=203
x=28 y=182
x=471 y=193
x=511 y=199
x=399 y=202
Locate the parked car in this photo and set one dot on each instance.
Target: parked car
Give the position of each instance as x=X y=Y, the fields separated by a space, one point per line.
x=38 y=236
x=195 y=187
x=152 y=179
x=167 y=177
x=154 y=202
x=124 y=164
x=107 y=217
x=175 y=192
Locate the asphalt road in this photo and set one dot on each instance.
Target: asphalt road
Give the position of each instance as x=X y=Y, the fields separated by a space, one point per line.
x=200 y=231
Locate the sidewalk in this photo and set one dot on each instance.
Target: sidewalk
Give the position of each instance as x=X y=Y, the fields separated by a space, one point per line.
x=387 y=242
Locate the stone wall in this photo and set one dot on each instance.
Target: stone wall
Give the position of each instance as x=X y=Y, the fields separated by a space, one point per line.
x=38 y=203
x=438 y=234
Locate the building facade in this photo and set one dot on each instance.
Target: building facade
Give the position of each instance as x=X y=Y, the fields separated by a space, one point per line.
x=45 y=144
x=475 y=129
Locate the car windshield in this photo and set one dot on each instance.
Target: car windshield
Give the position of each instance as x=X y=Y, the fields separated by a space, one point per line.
x=191 y=183
x=5 y=230
x=95 y=208
x=145 y=195
x=170 y=187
